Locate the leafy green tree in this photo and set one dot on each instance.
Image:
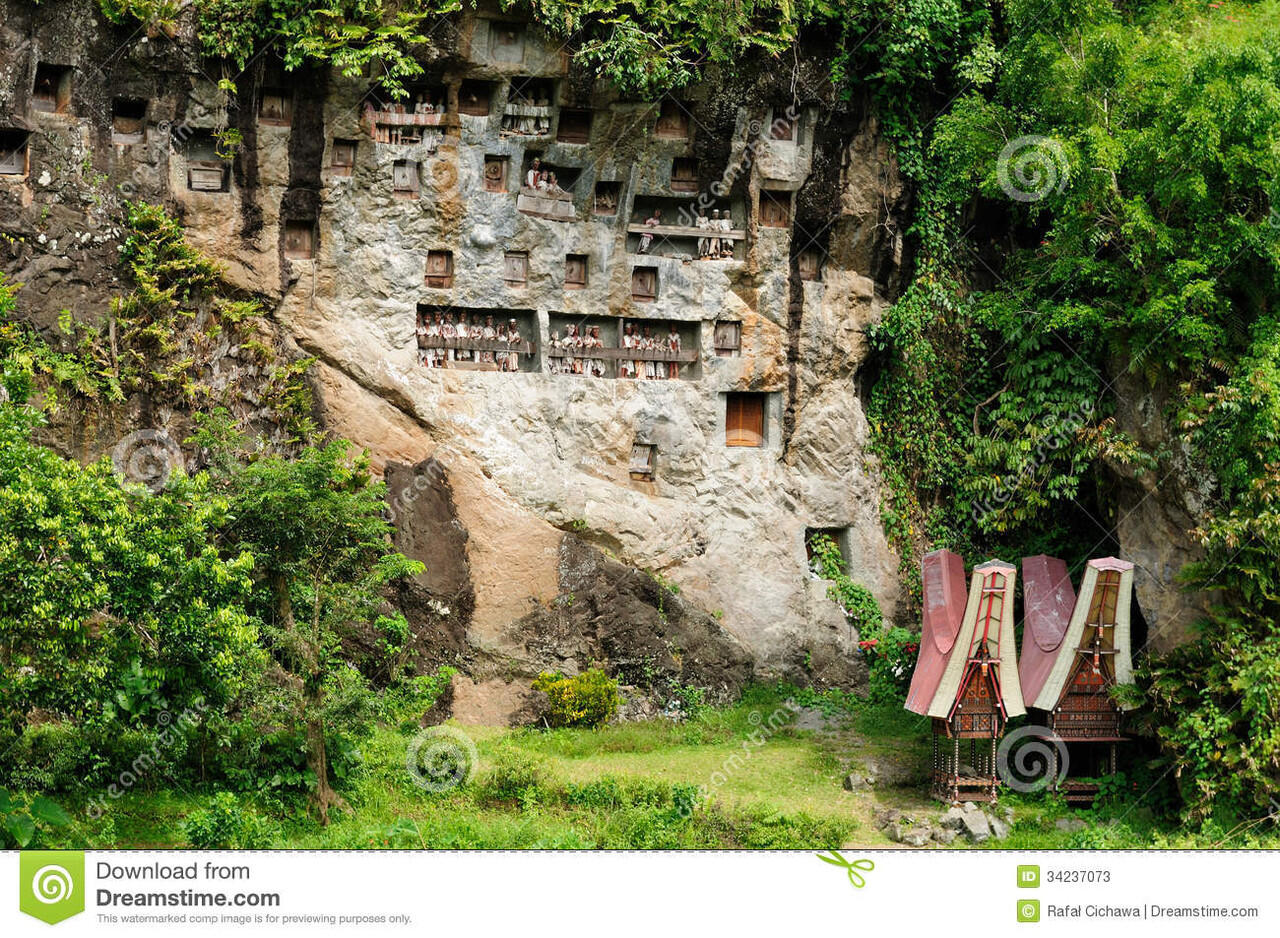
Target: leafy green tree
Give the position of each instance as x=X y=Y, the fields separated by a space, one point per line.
x=314 y=524
x=115 y=605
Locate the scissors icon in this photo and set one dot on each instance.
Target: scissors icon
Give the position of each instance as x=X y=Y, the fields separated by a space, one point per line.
x=856 y=878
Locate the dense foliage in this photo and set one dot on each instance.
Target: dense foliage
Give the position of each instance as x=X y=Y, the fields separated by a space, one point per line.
x=1096 y=221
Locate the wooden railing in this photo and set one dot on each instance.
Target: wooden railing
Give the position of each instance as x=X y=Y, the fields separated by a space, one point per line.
x=476 y=345
x=684 y=356
x=683 y=231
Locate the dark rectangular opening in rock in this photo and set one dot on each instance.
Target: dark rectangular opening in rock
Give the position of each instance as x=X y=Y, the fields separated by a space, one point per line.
x=809 y=263
x=13 y=152
x=644 y=284
x=574 y=126
x=782 y=125
x=606 y=198
x=128 y=120
x=684 y=174
x=275 y=107
x=744 y=418
x=673 y=120
x=839 y=535
x=506 y=42
x=475 y=98
x=206 y=171
x=51 y=92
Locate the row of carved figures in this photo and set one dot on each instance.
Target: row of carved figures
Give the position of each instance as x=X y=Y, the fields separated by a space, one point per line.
x=572 y=353
x=444 y=327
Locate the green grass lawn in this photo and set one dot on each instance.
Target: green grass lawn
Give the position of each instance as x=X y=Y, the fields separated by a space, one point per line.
x=727 y=778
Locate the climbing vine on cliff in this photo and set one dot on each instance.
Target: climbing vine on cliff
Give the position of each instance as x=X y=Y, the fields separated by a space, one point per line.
x=161 y=338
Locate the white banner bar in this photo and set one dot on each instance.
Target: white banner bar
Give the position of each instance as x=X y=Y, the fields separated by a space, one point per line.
x=530 y=894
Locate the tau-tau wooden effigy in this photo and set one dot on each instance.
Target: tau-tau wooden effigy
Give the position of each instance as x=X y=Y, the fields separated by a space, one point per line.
x=1075 y=650
x=966 y=675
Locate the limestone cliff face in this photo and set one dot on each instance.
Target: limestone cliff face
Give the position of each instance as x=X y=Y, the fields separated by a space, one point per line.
x=516 y=488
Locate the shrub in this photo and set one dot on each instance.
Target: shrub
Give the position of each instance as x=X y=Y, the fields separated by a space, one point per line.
x=226 y=823
x=588 y=699
x=515 y=777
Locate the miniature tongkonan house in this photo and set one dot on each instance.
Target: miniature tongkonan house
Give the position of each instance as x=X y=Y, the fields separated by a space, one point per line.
x=1074 y=651
x=966 y=675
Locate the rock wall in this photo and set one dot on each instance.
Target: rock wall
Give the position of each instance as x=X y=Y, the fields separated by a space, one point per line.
x=515 y=488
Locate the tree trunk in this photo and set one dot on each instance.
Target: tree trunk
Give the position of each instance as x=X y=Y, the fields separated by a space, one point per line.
x=307 y=670
x=318 y=762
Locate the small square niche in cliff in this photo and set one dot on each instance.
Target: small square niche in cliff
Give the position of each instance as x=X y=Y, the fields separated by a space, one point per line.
x=839 y=535
x=13 y=152
x=206 y=172
x=275 y=107
x=673 y=121
x=784 y=125
x=606 y=198
x=128 y=120
x=495 y=173
x=404 y=179
x=342 y=161
x=775 y=208
x=575 y=271
x=439 y=270
x=574 y=126
x=744 y=418
x=809 y=263
x=728 y=338
x=684 y=174
x=515 y=268
x=51 y=92
x=644 y=284
x=300 y=239
x=506 y=42
x=475 y=98
x=644 y=457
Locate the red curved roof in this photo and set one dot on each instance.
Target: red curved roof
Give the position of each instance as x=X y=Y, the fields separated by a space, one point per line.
x=1048 y=601
x=944 y=601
